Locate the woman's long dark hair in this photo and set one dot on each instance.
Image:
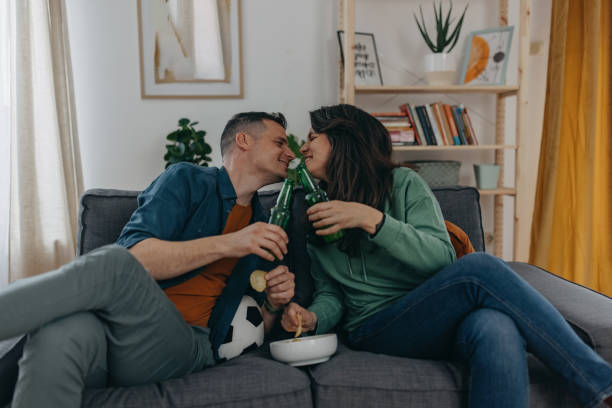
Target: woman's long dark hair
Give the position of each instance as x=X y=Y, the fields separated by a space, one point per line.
x=360 y=166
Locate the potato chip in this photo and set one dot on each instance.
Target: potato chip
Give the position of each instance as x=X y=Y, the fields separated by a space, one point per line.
x=298 y=332
x=258 y=280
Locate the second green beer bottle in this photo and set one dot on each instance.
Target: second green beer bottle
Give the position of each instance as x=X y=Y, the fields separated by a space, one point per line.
x=314 y=195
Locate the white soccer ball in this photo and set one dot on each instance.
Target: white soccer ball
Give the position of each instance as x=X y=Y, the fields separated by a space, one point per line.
x=246 y=332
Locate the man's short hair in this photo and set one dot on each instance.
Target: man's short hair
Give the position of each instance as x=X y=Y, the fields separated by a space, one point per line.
x=247 y=121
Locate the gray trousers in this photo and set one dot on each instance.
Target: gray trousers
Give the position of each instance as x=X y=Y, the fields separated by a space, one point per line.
x=99 y=320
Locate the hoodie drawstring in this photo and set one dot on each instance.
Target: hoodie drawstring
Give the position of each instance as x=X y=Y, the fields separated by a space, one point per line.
x=364 y=274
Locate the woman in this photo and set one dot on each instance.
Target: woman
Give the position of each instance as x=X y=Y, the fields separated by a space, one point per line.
x=394 y=280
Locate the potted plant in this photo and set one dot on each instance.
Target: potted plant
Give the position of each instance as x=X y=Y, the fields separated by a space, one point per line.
x=187 y=145
x=439 y=65
x=295 y=145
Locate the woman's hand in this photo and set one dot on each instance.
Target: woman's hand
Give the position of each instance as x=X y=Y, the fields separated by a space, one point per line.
x=290 y=322
x=340 y=215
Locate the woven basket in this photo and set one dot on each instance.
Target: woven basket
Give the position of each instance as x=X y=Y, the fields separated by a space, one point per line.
x=436 y=173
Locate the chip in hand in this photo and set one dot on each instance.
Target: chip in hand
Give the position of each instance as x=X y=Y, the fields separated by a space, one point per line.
x=258 y=280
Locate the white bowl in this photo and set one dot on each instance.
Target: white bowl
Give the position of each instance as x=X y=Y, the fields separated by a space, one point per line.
x=305 y=350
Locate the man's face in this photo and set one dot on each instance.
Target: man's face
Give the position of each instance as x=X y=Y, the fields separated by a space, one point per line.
x=272 y=153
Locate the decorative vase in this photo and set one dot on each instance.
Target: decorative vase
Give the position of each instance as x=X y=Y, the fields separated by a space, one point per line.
x=440 y=68
x=487 y=176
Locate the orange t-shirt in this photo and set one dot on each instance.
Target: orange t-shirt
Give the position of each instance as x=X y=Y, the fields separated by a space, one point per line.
x=196 y=297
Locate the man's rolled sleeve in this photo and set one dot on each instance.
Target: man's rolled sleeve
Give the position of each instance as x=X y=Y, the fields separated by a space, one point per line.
x=163 y=209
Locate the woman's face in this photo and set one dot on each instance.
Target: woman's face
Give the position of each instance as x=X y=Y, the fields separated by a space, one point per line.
x=316 y=151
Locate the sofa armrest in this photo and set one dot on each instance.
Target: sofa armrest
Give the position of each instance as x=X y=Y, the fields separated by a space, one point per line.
x=10 y=353
x=587 y=311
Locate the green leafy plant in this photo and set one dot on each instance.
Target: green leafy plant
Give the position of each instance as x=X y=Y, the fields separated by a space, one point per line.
x=295 y=144
x=187 y=145
x=443 y=39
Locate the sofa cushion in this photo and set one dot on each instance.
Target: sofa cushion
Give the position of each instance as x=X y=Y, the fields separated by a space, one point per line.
x=459 y=239
x=361 y=379
x=357 y=378
x=251 y=380
x=461 y=206
x=102 y=215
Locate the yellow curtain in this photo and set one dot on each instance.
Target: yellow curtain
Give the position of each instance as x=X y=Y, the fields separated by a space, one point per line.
x=572 y=224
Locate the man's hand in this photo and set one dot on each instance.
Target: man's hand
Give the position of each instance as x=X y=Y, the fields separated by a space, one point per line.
x=289 y=320
x=280 y=285
x=262 y=239
x=340 y=215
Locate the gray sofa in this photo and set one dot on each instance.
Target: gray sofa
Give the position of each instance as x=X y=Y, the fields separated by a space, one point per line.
x=350 y=378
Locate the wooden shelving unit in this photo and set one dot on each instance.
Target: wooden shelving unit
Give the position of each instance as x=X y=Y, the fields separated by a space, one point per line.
x=390 y=89
x=456 y=148
x=348 y=90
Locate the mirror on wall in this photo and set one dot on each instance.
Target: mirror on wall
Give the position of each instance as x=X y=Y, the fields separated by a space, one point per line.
x=190 y=48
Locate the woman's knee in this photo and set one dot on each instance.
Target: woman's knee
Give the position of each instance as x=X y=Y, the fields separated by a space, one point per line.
x=488 y=331
x=482 y=266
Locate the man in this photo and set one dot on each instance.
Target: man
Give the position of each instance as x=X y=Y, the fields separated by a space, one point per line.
x=103 y=319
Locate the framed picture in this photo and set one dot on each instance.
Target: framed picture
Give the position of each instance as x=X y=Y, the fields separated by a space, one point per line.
x=190 y=48
x=486 y=57
x=367 y=66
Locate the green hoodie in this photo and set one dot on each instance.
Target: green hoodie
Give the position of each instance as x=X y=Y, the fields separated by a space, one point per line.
x=411 y=246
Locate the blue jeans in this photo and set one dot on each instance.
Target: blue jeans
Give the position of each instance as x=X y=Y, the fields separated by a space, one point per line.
x=481 y=311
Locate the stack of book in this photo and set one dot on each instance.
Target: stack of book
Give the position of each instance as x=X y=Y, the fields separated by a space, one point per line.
x=437 y=124
x=399 y=126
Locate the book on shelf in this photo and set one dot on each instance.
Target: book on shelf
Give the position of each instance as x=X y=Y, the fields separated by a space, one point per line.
x=434 y=126
x=450 y=119
x=442 y=123
x=468 y=122
x=439 y=124
x=424 y=117
x=419 y=136
x=459 y=123
x=399 y=127
x=466 y=128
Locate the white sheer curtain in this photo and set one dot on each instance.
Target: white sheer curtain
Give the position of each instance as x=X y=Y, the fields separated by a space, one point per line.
x=4 y=138
x=46 y=177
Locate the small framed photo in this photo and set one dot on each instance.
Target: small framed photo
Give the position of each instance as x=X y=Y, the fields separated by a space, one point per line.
x=486 y=57
x=367 y=66
x=190 y=49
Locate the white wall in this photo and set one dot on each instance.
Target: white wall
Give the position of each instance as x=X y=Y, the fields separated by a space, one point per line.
x=289 y=64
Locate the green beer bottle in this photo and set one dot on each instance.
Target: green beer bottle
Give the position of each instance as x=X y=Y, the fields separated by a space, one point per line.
x=280 y=213
x=315 y=194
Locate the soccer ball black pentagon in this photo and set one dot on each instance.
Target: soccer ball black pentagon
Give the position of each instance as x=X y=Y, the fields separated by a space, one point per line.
x=246 y=332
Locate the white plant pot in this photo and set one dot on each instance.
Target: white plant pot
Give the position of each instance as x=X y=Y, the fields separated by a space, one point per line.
x=440 y=68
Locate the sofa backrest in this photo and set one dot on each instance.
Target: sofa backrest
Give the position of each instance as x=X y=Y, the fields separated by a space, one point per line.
x=102 y=215
x=104 y=212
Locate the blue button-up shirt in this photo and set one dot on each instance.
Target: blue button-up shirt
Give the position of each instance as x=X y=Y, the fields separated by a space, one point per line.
x=188 y=202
